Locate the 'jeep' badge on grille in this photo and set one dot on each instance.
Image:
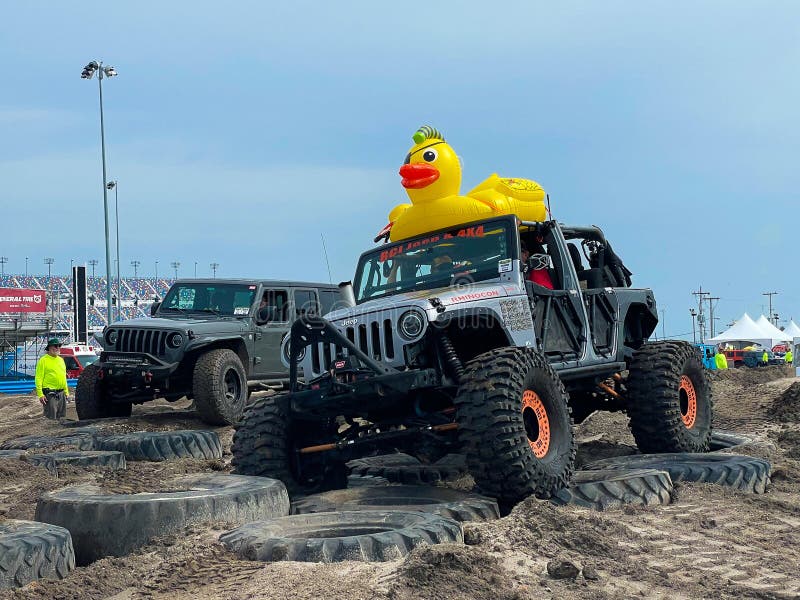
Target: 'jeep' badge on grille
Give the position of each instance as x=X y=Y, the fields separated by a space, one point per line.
x=349 y=322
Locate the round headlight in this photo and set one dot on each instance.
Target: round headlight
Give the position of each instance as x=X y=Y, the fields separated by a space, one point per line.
x=175 y=340
x=411 y=325
x=286 y=346
x=111 y=336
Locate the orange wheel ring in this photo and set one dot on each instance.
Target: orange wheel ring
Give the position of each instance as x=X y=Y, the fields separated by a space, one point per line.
x=688 y=401
x=537 y=425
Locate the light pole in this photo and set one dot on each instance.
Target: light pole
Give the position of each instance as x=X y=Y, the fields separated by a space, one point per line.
x=175 y=265
x=663 y=324
x=135 y=264
x=93 y=262
x=26 y=266
x=113 y=185
x=88 y=72
x=156 y=270
x=195 y=269
x=214 y=266
x=693 y=312
x=3 y=261
x=49 y=262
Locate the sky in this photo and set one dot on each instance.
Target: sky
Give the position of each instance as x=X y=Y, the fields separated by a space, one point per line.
x=242 y=133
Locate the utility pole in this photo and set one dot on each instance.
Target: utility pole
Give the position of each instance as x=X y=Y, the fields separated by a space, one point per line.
x=701 y=316
x=94 y=262
x=693 y=312
x=214 y=266
x=663 y=324
x=175 y=265
x=3 y=261
x=770 y=295
x=49 y=262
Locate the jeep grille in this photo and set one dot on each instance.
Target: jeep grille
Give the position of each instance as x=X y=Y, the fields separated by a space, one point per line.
x=373 y=339
x=147 y=341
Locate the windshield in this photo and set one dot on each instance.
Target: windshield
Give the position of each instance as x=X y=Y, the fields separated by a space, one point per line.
x=457 y=257
x=226 y=299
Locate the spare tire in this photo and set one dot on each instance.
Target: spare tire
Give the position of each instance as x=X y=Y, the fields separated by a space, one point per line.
x=95 y=458
x=104 y=524
x=744 y=473
x=164 y=445
x=332 y=537
x=402 y=468
x=453 y=504
x=83 y=438
x=31 y=551
x=607 y=489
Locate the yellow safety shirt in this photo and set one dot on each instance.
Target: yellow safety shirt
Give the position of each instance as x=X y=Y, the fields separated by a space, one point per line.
x=51 y=373
x=788 y=357
x=722 y=362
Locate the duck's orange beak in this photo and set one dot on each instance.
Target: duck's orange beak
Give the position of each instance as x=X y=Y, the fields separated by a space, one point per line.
x=418 y=175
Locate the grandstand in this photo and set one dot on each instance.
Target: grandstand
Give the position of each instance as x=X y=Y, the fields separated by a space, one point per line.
x=135 y=295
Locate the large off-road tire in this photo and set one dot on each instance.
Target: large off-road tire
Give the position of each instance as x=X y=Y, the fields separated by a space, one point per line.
x=164 y=445
x=31 y=551
x=91 y=398
x=403 y=468
x=333 y=537
x=219 y=385
x=744 y=473
x=453 y=504
x=604 y=490
x=264 y=444
x=84 y=438
x=514 y=425
x=722 y=440
x=105 y=524
x=97 y=458
x=669 y=398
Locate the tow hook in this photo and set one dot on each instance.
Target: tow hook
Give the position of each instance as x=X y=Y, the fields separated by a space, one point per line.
x=148 y=377
x=101 y=374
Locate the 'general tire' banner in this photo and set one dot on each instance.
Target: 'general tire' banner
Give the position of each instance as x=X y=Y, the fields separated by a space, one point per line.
x=16 y=300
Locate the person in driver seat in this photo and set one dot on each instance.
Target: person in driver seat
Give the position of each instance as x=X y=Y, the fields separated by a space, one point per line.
x=537 y=263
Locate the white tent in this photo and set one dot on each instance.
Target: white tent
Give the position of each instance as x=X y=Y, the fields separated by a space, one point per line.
x=744 y=330
x=792 y=330
x=772 y=332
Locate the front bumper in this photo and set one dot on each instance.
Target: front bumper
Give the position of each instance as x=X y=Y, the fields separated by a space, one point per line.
x=134 y=365
x=330 y=398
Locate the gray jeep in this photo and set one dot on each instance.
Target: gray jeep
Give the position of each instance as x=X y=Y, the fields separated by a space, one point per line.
x=488 y=340
x=212 y=340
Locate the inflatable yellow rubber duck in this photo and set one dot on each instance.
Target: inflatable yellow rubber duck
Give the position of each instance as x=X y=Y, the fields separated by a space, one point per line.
x=432 y=178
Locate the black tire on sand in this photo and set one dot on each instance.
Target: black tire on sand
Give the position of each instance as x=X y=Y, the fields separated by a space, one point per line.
x=91 y=458
x=744 y=473
x=219 y=385
x=164 y=445
x=453 y=504
x=514 y=425
x=355 y=481
x=368 y=536
x=104 y=524
x=91 y=401
x=669 y=398
x=31 y=551
x=84 y=438
x=722 y=440
x=403 y=468
x=609 y=489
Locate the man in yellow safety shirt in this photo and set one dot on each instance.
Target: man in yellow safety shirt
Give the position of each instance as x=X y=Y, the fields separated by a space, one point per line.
x=720 y=360
x=51 y=381
x=765 y=358
x=788 y=357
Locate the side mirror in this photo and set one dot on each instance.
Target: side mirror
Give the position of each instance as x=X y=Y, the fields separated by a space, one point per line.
x=154 y=308
x=266 y=314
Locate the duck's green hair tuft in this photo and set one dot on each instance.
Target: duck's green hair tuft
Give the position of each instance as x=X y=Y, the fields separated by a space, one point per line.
x=426 y=132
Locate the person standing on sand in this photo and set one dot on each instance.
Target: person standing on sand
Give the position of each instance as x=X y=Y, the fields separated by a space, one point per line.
x=51 y=381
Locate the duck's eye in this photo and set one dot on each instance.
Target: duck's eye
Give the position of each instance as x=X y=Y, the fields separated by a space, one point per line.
x=429 y=155
x=408 y=159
